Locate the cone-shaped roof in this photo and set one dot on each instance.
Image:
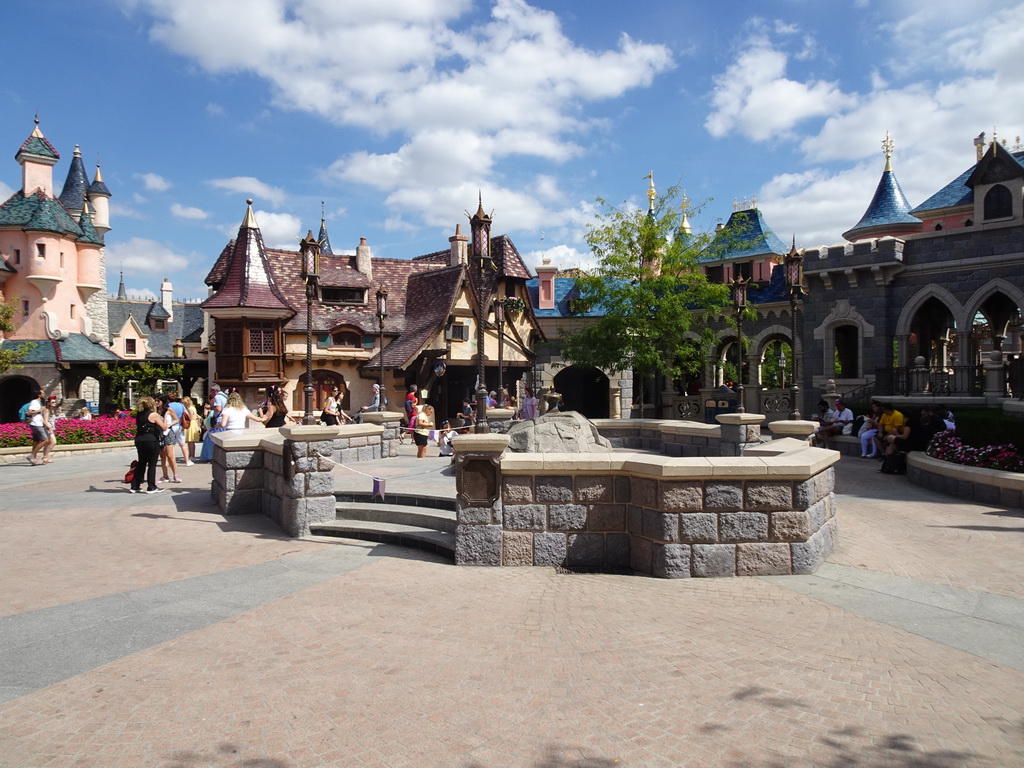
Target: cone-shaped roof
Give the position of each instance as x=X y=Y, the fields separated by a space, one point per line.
x=76 y=184
x=98 y=187
x=248 y=280
x=37 y=146
x=744 y=236
x=888 y=212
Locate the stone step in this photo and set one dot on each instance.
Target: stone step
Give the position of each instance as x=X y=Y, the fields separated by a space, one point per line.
x=402 y=499
x=399 y=514
x=428 y=539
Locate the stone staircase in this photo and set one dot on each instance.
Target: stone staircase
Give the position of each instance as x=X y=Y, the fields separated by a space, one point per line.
x=424 y=522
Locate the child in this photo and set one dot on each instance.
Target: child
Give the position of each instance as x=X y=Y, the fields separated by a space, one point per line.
x=444 y=439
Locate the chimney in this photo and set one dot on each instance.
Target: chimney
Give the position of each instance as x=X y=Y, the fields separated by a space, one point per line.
x=364 y=259
x=460 y=247
x=166 y=298
x=546 y=291
x=979 y=146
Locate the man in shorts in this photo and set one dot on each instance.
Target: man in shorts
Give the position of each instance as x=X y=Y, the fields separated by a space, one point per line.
x=40 y=434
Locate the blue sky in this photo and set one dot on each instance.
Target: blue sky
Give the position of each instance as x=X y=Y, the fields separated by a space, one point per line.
x=395 y=114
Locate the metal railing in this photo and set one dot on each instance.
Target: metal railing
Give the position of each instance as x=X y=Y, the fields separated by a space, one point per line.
x=965 y=380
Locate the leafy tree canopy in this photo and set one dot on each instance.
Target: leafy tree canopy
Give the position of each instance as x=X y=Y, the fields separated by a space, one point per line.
x=651 y=290
x=145 y=372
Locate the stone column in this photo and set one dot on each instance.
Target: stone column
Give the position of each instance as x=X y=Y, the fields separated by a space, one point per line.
x=739 y=430
x=995 y=383
x=308 y=479
x=478 y=511
x=500 y=419
x=919 y=377
x=392 y=423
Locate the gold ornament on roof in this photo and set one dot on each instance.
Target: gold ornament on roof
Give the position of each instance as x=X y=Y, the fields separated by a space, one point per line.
x=887 y=145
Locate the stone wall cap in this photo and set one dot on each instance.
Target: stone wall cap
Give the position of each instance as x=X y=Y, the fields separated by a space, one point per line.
x=583 y=462
x=651 y=466
x=487 y=443
x=309 y=434
x=238 y=440
x=740 y=418
x=692 y=429
x=792 y=428
x=994 y=477
x=738 y=466
x=379 y=417
x=776 y=447
x=800 y=465
x=500 y=413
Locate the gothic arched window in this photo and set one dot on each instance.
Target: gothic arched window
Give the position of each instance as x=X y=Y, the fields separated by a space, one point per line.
x=998 y=203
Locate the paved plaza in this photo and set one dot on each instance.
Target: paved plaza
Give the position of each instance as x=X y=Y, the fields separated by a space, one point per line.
x=141 y=631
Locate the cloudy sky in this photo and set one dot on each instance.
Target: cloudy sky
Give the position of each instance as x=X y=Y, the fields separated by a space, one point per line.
x=395 y=114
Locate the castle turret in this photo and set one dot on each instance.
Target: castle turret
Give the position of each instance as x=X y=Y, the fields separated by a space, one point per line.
x=75 y=186
x=37 y=158
x=99 y=197
x=322 y=238
x=889 y=212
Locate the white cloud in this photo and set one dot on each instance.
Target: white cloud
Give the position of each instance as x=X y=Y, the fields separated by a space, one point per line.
x=119 y=211
x=279 y=230
x=188 y=212
x=153 y=182
x=140 y=255
x=561 y=256
x=754 y=97
x=5 y=191
x=250 y=186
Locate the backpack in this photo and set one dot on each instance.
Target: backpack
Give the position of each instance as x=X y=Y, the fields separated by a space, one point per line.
x=894 y=464
x=23 y=412
x=130 y=474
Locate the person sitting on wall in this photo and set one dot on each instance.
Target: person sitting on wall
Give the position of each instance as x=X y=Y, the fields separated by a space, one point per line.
x=824 y=418
x=892 y=423
x=917 y=433
x=841 y=424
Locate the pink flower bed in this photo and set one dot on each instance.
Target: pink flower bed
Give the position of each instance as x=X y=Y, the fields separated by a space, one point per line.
x=946 y=446
x=101 y=429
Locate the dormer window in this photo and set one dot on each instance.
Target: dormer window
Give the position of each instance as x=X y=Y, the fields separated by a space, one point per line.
x=158 y=325
x=349 y=339
x=998 y=203
x=129 y=348
x=343 y=295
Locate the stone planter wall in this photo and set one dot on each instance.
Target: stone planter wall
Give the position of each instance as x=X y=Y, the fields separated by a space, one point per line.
x=987 y=486
x=286 y=474
x=730 y=437
x=769 y=511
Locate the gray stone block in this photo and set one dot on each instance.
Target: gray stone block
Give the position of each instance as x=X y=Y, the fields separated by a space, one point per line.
x=319 y=484
x=567 y=517
x=240 y=459
x=817 y=514
x=517 y=490
x=273 y=463
x=661 y=526
x=474 y=515
x=554 y=489
x=606 y=517
x=478 y=545
x=670 y=561
x=640 y=553
x=525 y=517
x=714 y=560
x=247 y=479
x=623 y=493
x=682 y=496
x=635 y=519
x=698 y=526
x=723 y=497
x=743 y=526
x=549 y=548
x=768 y=496
x=516 y=548
x=644 y=492
x=243 y=502
x=593 y=490
x=616 y=550
x=814 y=489
x=585 y=549
x=365 y=453
x=763 y=560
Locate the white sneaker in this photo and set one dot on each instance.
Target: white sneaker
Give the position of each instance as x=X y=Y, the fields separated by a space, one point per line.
x=156 y=490
x=190 y=463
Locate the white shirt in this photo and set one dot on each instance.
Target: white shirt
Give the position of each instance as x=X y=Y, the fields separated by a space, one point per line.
x=236 y=417
x=37 y=418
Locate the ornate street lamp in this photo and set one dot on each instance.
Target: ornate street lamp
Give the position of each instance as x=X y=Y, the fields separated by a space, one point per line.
x=382 y=313
x=179 y=349
x=739 y=304
x=499 y=316
x=480 y=225
x=794 y=266
x=309 y=250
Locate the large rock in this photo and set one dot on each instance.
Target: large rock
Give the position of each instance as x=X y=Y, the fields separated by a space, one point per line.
x=563 y=432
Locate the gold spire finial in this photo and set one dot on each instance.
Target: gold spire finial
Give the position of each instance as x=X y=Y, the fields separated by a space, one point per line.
x=887 y=145
x=322 y=217
x=651 y=193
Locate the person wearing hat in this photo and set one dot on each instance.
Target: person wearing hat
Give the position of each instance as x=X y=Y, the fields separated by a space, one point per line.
x=376 y=401
x=842 y=423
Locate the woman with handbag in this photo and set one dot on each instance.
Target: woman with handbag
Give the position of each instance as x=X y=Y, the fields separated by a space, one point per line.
x=149 y=429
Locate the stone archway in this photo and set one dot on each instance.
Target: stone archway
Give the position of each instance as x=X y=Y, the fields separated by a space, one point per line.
x=15 y=391
x=584 y=390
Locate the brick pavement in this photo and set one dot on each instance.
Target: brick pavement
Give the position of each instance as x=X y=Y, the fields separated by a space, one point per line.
x=409 y=661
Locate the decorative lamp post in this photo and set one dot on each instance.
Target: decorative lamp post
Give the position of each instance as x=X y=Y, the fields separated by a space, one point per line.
x=782 y=368
x=794 y=266
x=382 y=313
x=179 y=349
x=309 y=250
x=739 y=304
x=499 y=316
x=480 y=225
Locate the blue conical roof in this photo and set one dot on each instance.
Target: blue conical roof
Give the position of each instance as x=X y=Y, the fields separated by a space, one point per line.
x=744 y=236
x=889 y=210
x=324 y=240
x=77 y=182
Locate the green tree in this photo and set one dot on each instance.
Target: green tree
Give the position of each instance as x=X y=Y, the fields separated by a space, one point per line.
x=10 y=359
x=147 y=375
x=651 y=291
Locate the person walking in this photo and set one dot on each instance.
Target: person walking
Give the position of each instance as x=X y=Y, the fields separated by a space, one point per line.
x=528 y=408
x=217 y=402
x=330 y=412
x=172 y=431
x=37 y=422
x=194 y=430
x=178 y=434
x=421 y=434
x=274 y=412
x=148 y=429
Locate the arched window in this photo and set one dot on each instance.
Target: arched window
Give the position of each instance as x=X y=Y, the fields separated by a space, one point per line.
x=847 y=341
x=349 y=339
x=998 y=203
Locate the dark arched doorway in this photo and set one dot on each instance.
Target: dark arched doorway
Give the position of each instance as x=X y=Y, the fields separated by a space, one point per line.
x=14 y=393
x=584 y=390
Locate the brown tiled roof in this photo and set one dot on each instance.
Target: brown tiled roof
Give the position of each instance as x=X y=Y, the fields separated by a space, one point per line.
x=510 y=263
x=430 y=299
x=247 y=277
